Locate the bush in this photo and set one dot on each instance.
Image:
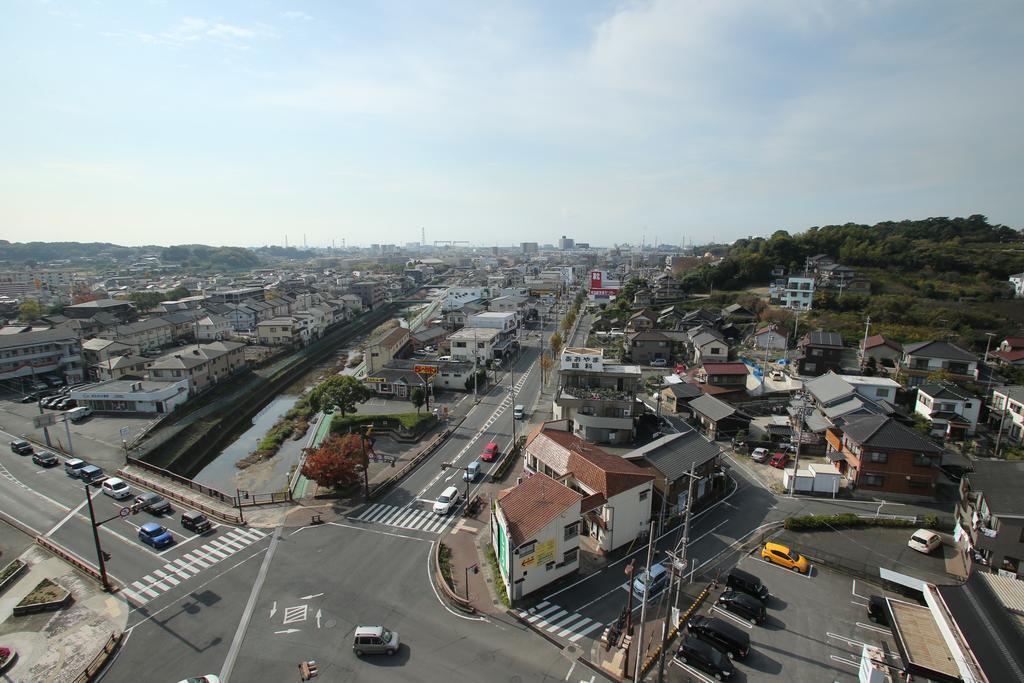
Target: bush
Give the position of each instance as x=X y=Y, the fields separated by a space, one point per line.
x=445 y=557
x=846 y=520
x=408 y=421
x=499 y=579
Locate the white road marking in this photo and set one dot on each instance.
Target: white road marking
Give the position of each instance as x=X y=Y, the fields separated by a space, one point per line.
x=71 y=514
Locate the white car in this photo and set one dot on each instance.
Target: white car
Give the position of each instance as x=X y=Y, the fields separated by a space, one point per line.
x=116 y=488
x=759 y=454
x=925 y=541
x=658 y=363
x=444 y=359
x=447 y=501
x=776 y=375
x=208 y=678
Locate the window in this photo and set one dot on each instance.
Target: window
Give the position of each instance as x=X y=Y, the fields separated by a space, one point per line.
x=882 y=393
x=527 y=548
x=872 y=480
x=570 y=555
x=572 y=531
x=921 y=460
x=875 y=456
x=810 y=367
x=644 y=494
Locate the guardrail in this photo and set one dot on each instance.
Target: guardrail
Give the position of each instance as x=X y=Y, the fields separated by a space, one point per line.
x=175 y=496
x=185 y=481
x=457 y=601
x=74 y=559
x=93 y=668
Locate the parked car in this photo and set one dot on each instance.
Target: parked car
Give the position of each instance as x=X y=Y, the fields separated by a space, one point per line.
x=91 y=474
x=779 y=460
x=759 y=454
x=472 y=471
x=374 y=640
x=29 y=398
x=925 y=541
x=658 y=362
x=733 y=641
x=45 y=458
x=65 y=404
x=208 y=678
x=706 y=657
x=54 y=381
x=744 y=605
x=152 y=503
x=776 y=553
x=776 y=375
x=72 y=466
x=49 y=401
x=447 y=501
x=196 y=521
x=745 y=582
x=116 y=488
x=654 y=581
x=490 y=452
x=444 y=358
x=155 y=535
x=79 y=413
x=22 y=447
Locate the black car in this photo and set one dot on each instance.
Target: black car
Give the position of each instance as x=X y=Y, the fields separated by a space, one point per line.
x=706 y=657
x=745 y=582
x=196 y=521
x=30 y=398
x=733 y=641
x=744 y=605
x=45 y=458
x=153 y=503
x=22 y=447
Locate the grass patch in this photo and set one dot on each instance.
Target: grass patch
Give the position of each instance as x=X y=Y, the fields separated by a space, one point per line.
x=846 y=520
x=445 y=558
x=45 y=591
x=410 y=422
x=12 y=568
x=499 y=579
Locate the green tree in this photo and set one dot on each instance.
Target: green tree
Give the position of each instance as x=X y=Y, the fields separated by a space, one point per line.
x=555 y=343
x=30 y=310
x=418 y=398
x=481 y=380
x=341 y=392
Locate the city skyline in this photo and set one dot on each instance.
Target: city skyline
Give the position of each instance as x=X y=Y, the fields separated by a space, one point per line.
x=609 y=122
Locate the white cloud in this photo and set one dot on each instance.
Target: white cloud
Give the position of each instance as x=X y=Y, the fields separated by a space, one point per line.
x=296 y=15
x=195 y=30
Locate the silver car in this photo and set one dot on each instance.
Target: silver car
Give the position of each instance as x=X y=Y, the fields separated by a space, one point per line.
x=374 y=640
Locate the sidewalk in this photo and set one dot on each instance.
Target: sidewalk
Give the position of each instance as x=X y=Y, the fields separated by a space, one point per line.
x=57 y=646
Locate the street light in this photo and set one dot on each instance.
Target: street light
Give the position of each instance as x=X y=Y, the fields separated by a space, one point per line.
x=101 y=556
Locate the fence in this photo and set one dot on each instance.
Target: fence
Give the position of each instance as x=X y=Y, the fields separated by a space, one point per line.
x=185 y=481
x=71 y=558
x=94 y=667
x=174 y=495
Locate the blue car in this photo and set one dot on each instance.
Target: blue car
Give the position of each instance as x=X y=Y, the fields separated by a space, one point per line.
x=155 y=535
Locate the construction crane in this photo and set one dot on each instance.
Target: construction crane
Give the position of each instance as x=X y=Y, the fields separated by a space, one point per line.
x=449 y=243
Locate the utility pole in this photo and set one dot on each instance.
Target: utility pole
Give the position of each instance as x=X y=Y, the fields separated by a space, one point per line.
x=678 y=564
x=799 y=437
x=767 y=348
x=864 y=344
x=643 y=608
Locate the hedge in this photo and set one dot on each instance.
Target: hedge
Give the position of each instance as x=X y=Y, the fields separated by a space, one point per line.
x=409 y=421
x=845 y=520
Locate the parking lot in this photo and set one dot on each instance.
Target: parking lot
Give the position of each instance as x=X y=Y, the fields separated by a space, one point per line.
x=815 y=628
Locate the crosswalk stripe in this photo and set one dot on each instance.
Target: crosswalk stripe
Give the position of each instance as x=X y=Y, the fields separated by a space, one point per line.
x=207 y=558
x=145 y=589
x=196 y=560
x=377 y=514
x=555 y=626
x=421 y=521
x=371 y=511
x=542 y=613
x=233 y=544
x=540 y=606
x=550 y=620
x=183 y=566
x=166 y=577
x=437 y=525
x=215 y=551
x=133 y=596
x=576 y=622
x=401 y=517
x=244 y=537
x=596 y=625
x=177 y=571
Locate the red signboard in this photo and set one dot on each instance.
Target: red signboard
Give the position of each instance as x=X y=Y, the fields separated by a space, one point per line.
x=425 y=369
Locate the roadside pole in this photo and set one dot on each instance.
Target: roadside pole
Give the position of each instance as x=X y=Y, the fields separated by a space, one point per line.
x=67 y=426
x=46 y=431
x=643 y=608
x=678 y=564
x=100 y=559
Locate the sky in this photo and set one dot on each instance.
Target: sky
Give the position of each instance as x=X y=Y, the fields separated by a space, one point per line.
x=671 y=121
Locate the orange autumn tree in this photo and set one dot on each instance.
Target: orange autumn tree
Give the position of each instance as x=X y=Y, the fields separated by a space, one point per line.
x=336 y=463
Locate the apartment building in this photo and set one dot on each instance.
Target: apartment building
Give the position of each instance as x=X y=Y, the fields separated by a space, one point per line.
x=798 y=294
x=989 y=527
x=476 y=343
x=26 y=355
x=203 y=365
x=599 y=399
x=1006 y=416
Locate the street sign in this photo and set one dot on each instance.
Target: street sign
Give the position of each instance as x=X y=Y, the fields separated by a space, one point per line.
x=125 y=511
x=425 y=369
x=44 y=420
x=125 y=431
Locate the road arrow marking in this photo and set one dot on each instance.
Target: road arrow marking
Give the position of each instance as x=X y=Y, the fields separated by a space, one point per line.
x=288 y=630
x=310 y=597
x=318 y=618
x=273 y=610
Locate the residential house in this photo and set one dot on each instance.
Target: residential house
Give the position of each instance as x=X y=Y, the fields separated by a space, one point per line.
x=97 y=350
x=455 y=318
x=669 y=317
x=616 y=508
x=284 y=331
x=183 y=324
x=27 y=355
x=675 y=398
x=151 y=334
x=922 y=359
x=772 y=338
x=434 y=337
x=989 y=525
x=599 y=399
x=738 y=314
x=384 y=347
x=836 y=275
x=798 y=294
x=952 y=411
x=877 y=453
x=122 y=311
x=886 y=352
x=203 y=365
x=1006 y=415
x=643 y=319
x=1010 y=352
x=698 y=317
x=212 y=327
x=604 y=324
x=717 y=419
x=720 y=378
x=672 y=458
x=646 y=346
x=667 y=288
x=709 y=347
x=119 y=367
x=476 y=343
x=535 y=534
x=820 y=352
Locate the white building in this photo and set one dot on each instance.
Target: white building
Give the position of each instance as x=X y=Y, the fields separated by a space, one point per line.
x=505 y=321
x=1017 y=282
x=213 y=328
x=535 y=534
x=132 y=396
x=467 y=344
x=457 y=297
x=952 y=411
x=1007 y=414
x=799 y=293
x=774 y=339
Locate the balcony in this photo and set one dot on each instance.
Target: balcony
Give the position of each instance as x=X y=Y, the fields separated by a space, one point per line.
x=595 y=394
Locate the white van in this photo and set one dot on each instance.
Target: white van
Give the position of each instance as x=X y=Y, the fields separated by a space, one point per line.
x=519 y=412
x=79 y=413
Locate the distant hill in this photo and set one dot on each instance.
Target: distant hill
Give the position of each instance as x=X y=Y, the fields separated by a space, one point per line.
x=80 y=254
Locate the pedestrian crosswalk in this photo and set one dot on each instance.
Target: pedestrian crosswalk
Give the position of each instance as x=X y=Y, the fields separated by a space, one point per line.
x=403 y=517
x=191 y=563
x=559 y=622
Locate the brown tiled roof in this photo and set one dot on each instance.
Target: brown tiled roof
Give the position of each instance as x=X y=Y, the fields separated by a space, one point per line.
x=878 y=340
x=532 y=505
x=596 y=469
x=725 y=368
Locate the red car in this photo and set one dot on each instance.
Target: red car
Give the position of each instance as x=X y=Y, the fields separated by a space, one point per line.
x=490 y=452
x=779 y=460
